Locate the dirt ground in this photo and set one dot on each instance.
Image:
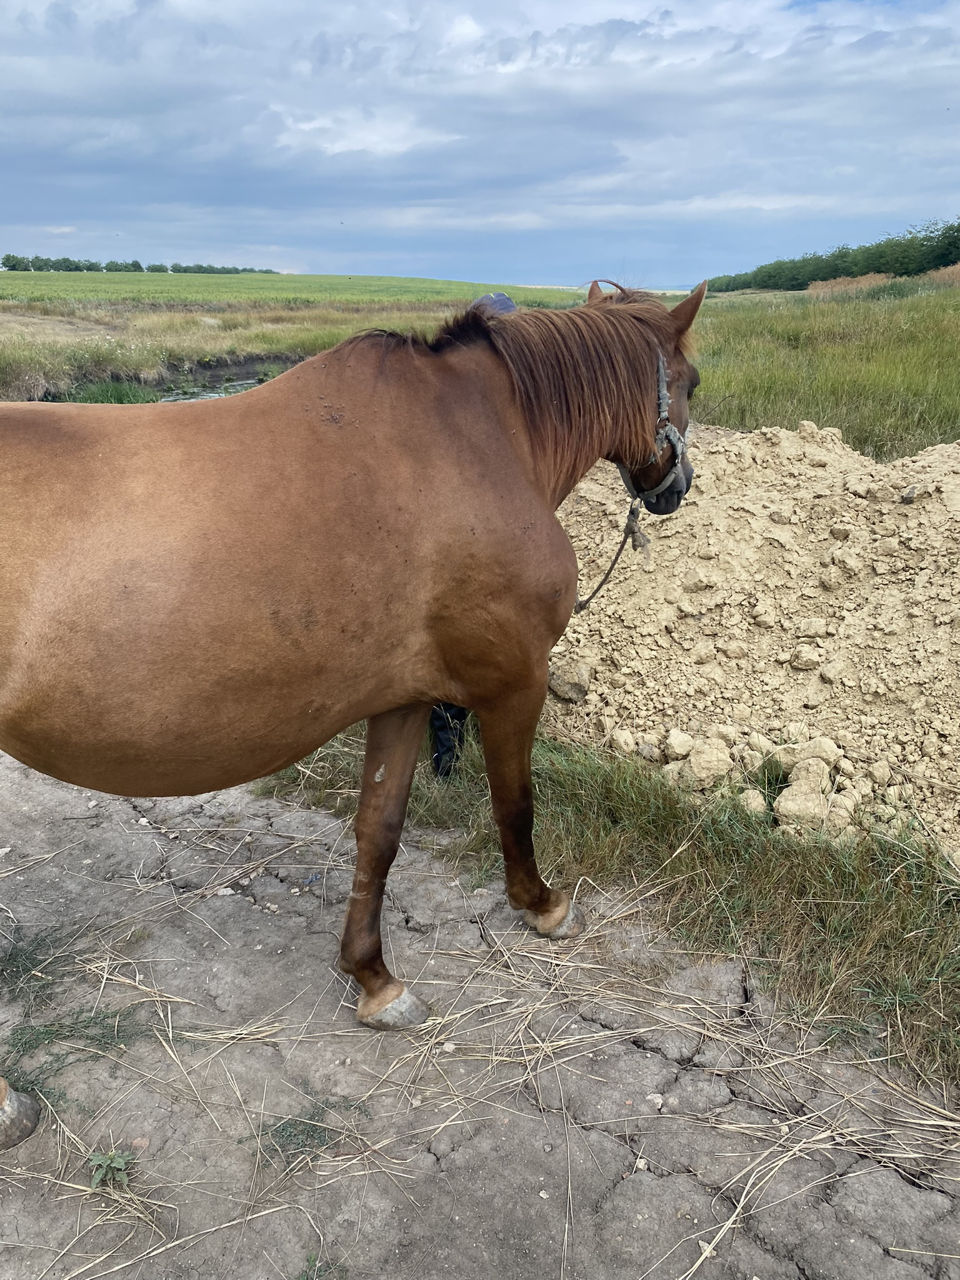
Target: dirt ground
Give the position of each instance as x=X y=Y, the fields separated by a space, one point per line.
x=605 y=1107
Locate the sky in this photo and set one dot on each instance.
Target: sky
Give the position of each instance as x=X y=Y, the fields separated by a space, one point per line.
x=507 y=141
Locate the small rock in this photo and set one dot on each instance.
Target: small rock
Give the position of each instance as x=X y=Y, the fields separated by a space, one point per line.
x=700 y=579
x=806 y=657
x=678 y=745
x=622 y=740
x=709 y=761
x=820 y=749
x=801 y=806
x=702 y=652
x=570 y=682
x=675 y=771
x=879 y=772
x=753 y=801
x=734 y=649
x=760 y=743
x=811 y=773
x=812 y=628
x=785 y=757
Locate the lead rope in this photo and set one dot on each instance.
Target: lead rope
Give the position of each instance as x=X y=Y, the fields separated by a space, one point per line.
x=638 y=538
x=666 y=434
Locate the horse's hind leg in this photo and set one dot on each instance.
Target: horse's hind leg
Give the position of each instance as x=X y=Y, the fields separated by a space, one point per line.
x=393 y=741
x=508 y=730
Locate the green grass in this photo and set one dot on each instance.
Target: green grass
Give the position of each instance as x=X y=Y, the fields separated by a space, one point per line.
x=253 y=289
x=112 y=391
x=865 y=931
x=883 y=370
x=299 y=1138
x=31 y=963
x=35 y=1053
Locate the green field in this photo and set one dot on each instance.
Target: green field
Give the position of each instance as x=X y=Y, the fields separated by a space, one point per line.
x=881 y=369
x=60 y=331
x=250 y=289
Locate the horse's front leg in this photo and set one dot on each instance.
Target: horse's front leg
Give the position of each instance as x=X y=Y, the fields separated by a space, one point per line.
x=508 y=729
x=393 y=742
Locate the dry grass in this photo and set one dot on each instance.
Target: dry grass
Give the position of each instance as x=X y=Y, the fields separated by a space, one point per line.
x=727 y=881
x=846 y=285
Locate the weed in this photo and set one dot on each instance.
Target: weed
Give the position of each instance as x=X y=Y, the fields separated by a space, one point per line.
x=32 y=962
x=878 y=369
x=110 y=1169
x=302 y=1137
x=317 y=1270
x=75 y=1034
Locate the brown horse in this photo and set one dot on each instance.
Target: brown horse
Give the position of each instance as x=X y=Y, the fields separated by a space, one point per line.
x=195 y=595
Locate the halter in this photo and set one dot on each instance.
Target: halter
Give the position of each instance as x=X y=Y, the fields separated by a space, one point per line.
x=666 y=433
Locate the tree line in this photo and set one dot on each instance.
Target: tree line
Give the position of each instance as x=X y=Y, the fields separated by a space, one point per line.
x=16 y=262
x=925 y=248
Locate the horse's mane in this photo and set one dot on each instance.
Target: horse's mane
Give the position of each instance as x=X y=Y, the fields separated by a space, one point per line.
x=585 y=378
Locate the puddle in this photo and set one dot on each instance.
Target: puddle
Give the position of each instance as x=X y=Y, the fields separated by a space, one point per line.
x=228 y=387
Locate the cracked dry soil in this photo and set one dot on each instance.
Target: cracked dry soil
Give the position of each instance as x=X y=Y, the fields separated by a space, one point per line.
x=604 y=1107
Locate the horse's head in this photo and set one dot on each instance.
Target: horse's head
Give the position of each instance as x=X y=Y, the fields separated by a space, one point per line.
x=664 y=478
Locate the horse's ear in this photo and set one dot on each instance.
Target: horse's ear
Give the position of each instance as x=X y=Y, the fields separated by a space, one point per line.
x=684 y=313
x=594 y=292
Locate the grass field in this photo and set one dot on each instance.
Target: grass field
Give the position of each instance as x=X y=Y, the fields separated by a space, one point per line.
x=880 y=368
x=61 y=330
x=250 y=289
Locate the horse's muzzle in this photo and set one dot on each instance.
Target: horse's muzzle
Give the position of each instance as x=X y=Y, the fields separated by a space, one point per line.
x=664 y=504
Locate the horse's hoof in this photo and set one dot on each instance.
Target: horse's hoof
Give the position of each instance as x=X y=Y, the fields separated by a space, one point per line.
x=403 y=1009
x=565 y=921
x=18 y=1117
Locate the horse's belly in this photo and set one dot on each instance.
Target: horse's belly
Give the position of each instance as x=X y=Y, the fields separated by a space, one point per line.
x=166 y=718
x=126 y=754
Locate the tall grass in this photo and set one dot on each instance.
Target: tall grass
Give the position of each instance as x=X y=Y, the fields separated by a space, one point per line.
x=865 y=932
x=882 y=370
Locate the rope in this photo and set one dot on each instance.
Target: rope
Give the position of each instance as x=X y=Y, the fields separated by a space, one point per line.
x=638 y=539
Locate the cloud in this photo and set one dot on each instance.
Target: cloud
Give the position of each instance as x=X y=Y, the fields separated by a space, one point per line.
x=437 y=136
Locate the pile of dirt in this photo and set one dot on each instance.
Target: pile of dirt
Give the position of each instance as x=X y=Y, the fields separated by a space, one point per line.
x=804 y=603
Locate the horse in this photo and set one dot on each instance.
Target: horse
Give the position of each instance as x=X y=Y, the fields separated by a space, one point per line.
x=195 y=595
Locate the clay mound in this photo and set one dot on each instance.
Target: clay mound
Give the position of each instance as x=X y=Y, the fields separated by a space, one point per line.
x=803 y=592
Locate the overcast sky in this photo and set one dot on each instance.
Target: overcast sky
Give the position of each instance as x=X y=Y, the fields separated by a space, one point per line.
x=523 y=141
